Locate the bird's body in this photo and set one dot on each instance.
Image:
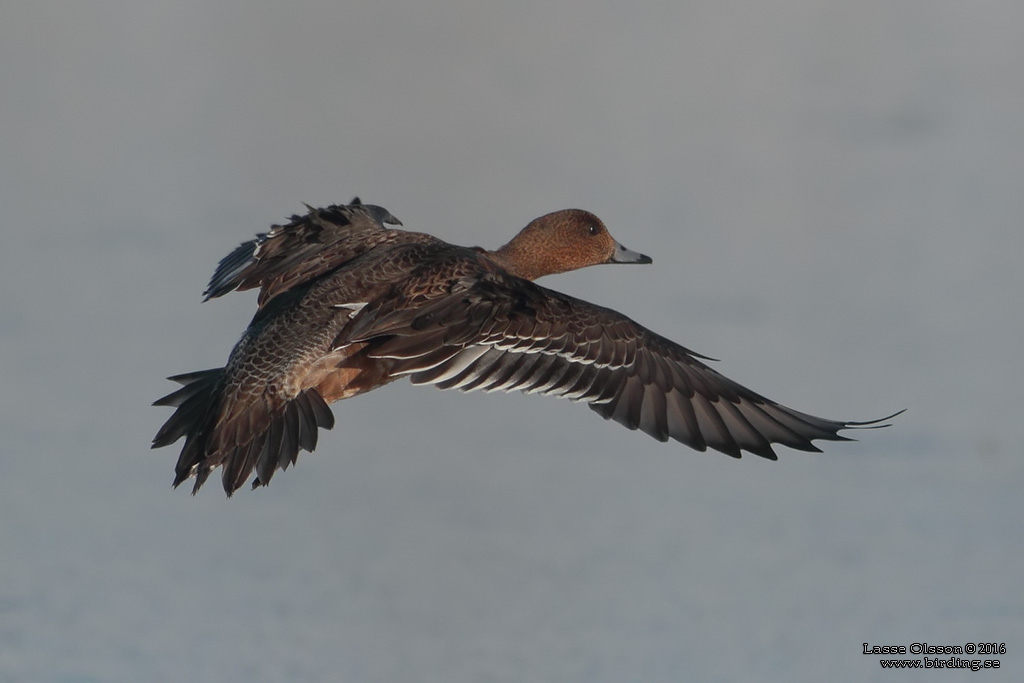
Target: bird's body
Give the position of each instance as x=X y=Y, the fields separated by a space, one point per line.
x=348 y=304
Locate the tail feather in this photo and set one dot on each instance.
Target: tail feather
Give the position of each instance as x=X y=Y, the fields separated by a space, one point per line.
x=176 y=398
x=194 y=402
x=320 y=410
x=268 y=436
x=237 y=468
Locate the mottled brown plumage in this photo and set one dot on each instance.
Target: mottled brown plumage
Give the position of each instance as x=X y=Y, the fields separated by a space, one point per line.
x=347 y=304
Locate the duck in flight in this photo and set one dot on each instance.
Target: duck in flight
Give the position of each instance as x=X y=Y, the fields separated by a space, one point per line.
x=348 y=304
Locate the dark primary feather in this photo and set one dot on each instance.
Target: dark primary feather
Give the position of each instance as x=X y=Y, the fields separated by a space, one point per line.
x=491 y=334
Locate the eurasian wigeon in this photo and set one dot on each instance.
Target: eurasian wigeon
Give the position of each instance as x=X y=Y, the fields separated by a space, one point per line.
x=347 y=304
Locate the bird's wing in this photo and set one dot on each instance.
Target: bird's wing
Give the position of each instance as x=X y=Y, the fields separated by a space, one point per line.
x=307 y=247
x=496 y=332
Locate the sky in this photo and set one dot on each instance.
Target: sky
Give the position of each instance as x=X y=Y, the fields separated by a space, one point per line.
x=832 y=196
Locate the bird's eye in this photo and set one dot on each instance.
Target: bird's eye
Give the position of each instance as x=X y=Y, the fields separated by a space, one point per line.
x=593 y=229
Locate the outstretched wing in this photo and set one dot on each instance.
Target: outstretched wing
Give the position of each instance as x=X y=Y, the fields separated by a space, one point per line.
x=307 y=247
x=492 y=334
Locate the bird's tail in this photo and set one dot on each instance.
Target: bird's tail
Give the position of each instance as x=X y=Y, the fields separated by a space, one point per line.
x=268 y=437
x=196 y=402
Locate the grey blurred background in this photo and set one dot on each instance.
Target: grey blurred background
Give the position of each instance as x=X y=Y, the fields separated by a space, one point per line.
x=832 y=194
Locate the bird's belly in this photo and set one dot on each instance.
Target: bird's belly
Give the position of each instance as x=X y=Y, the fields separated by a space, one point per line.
x=346 y=372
